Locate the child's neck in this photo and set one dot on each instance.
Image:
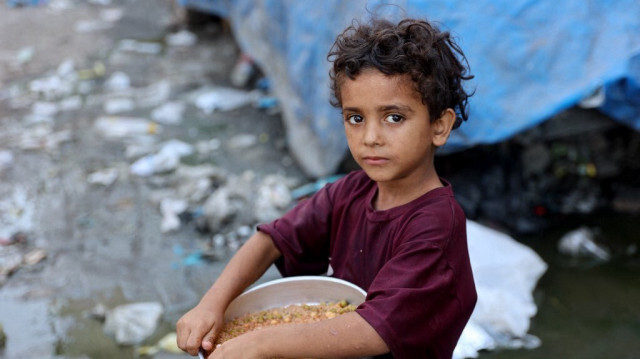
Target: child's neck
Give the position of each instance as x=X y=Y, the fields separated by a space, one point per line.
x=396 y=194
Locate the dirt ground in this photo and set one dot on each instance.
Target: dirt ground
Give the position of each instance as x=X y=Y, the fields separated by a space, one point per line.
x=104 y=244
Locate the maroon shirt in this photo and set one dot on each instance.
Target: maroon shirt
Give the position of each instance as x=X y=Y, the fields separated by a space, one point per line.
x=412 y=260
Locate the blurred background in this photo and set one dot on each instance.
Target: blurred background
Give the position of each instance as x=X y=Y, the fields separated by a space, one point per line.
x=141 y=141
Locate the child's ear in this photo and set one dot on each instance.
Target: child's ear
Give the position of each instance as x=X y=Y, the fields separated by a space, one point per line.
x=442 y=127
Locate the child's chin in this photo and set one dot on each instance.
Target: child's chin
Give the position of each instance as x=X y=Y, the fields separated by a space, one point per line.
x=377 y=175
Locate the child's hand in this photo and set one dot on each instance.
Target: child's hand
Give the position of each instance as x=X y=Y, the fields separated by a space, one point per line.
x=199 y=327
x=245 y=346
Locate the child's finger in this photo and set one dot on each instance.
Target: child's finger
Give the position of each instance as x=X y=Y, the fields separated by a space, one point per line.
x=209 y=339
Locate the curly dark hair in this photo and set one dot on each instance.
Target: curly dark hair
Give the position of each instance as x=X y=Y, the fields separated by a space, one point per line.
x=436 y=64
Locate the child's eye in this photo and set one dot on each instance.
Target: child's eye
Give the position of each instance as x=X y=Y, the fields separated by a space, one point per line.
x=355 y=119
x=394 y=118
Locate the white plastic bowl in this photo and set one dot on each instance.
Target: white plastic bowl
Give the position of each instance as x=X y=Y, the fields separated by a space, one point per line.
x=294 y=290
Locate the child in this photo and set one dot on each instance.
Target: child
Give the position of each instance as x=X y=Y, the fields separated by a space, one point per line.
x=393 y=228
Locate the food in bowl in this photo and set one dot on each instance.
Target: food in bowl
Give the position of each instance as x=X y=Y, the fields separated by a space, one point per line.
x=292 y=299
x=295 y=313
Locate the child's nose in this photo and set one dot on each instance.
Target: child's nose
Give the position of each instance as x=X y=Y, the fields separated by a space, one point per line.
x=372 y=135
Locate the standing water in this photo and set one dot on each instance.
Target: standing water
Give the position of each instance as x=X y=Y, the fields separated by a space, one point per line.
x=587 y=309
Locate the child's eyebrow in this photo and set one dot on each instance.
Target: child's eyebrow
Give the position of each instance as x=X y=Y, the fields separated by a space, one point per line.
x=383 y=108
x=395 y=107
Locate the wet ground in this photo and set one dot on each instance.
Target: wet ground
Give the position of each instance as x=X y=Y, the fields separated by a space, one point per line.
x=104 y=244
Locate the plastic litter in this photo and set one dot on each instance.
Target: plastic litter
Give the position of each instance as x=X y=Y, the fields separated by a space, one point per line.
x=171 y=209
x=580 y=243
x=243 y=141
x=34 y=256
x=168 y=344
x=242 y=71
x=273 y=198
x=206 y=147
x=154 y=94
x=85 y=26
x=195 y=183
x=181 y=38
x=118 y=81
x=141 y=47
x=165 y=160
x=10 y=261
x=223 y=99
x=115 y=106
x=169 y=113
x=6 y=160
x=505 y=287
x=131 y=324
x=105 y=177
x=16 y=3
x=17 y=209
x=71 y=103
x=119 y=127
x=25 y=55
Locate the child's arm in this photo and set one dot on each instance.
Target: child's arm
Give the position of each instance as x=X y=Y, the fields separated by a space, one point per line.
x=202 y=324
x=345 y=336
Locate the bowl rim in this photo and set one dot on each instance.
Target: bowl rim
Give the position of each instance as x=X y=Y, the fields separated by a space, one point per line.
x=305 y=278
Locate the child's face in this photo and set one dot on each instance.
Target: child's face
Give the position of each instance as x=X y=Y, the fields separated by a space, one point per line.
x=388 y=128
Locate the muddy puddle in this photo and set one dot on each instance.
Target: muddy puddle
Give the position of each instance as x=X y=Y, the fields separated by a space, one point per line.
x=587 y=309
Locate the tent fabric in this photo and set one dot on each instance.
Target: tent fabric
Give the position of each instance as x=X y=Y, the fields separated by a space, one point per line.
x=531 y=58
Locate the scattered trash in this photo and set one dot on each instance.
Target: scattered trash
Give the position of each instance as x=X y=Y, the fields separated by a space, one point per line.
x=153 y=95
x=505 y=284
x=267 y=102
x=15 y=238
x=221 y=206
x=171 y=209
x=119 y=127
x=168 y=344
x=85 y=26
x=223 y=99
x=206 y=147
x=105 y=177
x=71 y=103
x=6 y=160
x=273 y=198
x=24 y=56
x=580 y=243
x=165 y=160
x=17 y=3
x=243 y=141
x=141 y=47
x=17 y=209
x=169 y=113
x=181 y=38
x=98 y=312
x=131 y=324
x=242 y=71
x=195 y=183
x=34 y=256
x=11 y=259
x=115 y=106
x=118 y=81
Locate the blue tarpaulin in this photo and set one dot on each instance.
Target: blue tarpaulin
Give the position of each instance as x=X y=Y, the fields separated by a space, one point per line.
x=531 y=58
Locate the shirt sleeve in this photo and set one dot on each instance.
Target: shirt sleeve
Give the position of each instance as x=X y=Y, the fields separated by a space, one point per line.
x=418 y=303
x=302 y=236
